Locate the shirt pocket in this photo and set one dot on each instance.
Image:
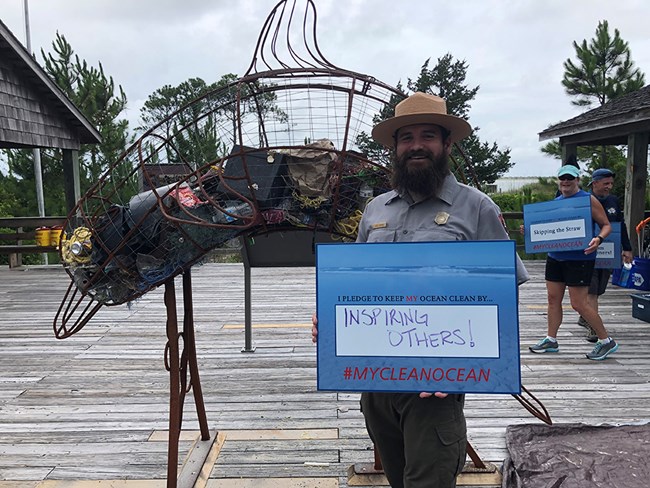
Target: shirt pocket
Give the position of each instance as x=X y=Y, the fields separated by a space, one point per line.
x=381 y=235
x=439 y=233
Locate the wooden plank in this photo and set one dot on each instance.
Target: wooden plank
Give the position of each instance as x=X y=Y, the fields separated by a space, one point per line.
x=267 y=326
x=23 y=484
x=115 y=483
x=275 y=483
x=32 y=221
x=196 y=463
x=363 y=474
x=93 y=408
x=17 y=236
x=211 y=458
x=26 y=249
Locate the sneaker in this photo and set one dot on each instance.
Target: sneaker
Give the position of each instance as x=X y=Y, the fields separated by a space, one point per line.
x=545 y=345
x=591 y=335
x=601 y=351
x=583 y=323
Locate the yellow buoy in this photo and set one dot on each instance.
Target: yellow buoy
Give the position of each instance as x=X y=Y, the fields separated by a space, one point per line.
x=55 y=235
x=43 y=236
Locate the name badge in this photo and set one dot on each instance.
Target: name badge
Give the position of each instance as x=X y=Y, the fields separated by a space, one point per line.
x=441 y=218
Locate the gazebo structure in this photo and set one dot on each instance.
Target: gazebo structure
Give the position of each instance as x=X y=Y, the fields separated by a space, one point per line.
x=35 y=113
x=623 y=121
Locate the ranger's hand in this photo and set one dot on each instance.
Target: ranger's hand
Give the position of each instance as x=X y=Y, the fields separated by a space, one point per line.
x=438 y=394
x=314 y=328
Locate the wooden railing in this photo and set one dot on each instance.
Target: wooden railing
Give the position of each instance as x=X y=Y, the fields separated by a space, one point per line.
x=24 y=229
x=512 y=229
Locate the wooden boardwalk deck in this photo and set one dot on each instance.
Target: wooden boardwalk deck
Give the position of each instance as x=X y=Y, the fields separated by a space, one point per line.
x=95 y=406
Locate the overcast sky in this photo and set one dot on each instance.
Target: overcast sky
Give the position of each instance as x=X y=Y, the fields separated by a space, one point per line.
x=514 y=48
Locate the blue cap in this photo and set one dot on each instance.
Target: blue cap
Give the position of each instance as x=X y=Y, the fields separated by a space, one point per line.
x=568 y=169
x=601 y=173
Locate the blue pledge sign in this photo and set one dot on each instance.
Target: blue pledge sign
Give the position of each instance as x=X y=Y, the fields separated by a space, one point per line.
x=418 y=316
x=558 y=225
x=609 y=252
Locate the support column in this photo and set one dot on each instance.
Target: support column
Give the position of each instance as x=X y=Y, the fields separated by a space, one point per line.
x=635 y=183
x=248 y=316
x=181 y=362
x=569 y=150
x=172 y=364
x=72 y=185
x=189 y=360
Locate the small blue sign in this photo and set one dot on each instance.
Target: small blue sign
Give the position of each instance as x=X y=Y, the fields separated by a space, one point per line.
x=418 y=316
x=558 y=225
x=609 y=252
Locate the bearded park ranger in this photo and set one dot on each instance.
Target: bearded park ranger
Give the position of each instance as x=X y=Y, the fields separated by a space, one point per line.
x=421 y=439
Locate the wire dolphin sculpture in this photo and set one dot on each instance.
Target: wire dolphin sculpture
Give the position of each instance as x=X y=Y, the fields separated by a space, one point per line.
x=285 y=146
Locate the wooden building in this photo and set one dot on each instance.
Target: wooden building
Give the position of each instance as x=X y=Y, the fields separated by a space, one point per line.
x=622 y=121
x=35 y=113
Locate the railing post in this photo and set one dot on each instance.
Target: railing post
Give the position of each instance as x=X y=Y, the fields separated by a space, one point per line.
x=16 y=259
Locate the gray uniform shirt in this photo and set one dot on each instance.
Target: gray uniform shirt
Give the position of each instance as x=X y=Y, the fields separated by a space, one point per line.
x=459 y=213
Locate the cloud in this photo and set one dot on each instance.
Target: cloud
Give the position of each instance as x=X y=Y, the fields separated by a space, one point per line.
x=514 y=49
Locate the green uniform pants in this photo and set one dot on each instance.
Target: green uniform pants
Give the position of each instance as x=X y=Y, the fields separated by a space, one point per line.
x=421 y=441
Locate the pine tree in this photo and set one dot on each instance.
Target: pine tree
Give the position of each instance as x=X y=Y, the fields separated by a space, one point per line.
x=447 y=80
x=604 y=69
x=95 y=95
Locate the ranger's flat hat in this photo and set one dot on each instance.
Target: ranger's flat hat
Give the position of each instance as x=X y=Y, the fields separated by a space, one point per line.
x=420 y=108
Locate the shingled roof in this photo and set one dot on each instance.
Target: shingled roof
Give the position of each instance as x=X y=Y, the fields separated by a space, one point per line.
x=610 y=123
x=34 y=112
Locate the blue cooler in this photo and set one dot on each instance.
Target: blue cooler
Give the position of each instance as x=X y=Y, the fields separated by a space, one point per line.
x=641 y=307
x=635 y=278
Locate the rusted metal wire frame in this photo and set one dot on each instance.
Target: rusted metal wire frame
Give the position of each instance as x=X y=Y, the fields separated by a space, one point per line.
x=178 y=223
x=71 y=304
x=542 y=414
x=366 y=91
x=318 y=58
x=468 y=164
x=79 y=212
x=312 y=70
x=94 y=191
x=181 y=363
x=167 y=142
x=307 y=73
x=250 y=74
x=98 y=275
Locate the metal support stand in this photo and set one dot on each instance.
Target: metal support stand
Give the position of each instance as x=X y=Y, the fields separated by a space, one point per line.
x=471 y=452
x=289 y=248
x=473 y=455
x=373 y=473
x=179 y=362
x=248 y=316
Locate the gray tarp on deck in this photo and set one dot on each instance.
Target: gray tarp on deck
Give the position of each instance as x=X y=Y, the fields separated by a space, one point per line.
x=577 y=456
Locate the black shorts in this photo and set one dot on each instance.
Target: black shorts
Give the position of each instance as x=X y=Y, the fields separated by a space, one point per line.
x=599 y=280
x=572 y=273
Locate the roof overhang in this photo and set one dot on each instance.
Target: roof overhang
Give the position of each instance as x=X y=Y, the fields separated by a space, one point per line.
x=610 y=131
x=27 y=65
